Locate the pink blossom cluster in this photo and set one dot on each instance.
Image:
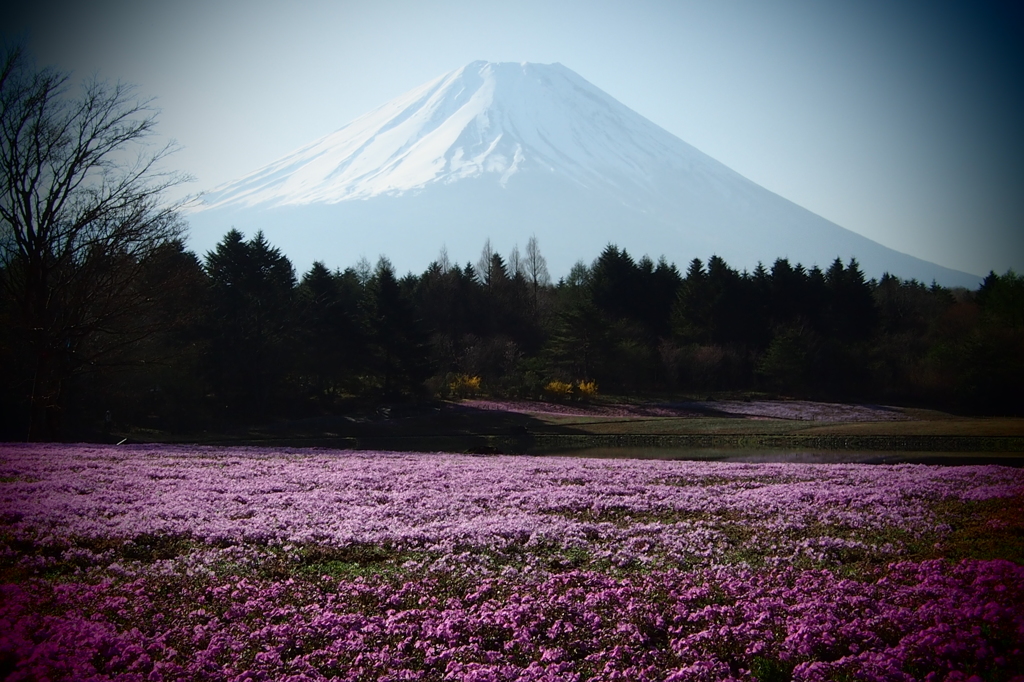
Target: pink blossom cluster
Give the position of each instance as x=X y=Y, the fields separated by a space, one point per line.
x=488 y=513
x=924 y=621
x=499 y=568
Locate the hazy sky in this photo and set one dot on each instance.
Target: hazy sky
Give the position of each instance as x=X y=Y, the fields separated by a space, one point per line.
x=903 y=121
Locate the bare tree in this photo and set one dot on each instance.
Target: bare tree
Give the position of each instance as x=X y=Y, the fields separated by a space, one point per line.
x=363 y=270
x=535 y=267
x=483 y=266
x=443 y=261
x=82 y=211
x=515 y=263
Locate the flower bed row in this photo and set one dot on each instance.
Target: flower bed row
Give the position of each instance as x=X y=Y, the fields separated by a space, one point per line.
x=174 y=563
x=493 y=513
x=922 y=621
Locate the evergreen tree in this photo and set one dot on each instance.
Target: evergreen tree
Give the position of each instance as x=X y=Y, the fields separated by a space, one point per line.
x=851 y=311
x=156 y=382
x=614 y=283
x=330 y=332
x=252 y=293
x=399 y=354
x=660 y=289
x=691 y=312
x=579 y=340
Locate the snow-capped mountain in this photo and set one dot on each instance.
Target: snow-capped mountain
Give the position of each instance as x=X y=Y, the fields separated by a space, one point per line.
x=505 y=151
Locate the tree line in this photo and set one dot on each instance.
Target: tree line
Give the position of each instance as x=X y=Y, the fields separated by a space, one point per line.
x=106 y=317
x=237 y=338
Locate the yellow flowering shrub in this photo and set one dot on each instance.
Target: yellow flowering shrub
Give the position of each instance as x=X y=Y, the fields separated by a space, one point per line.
x=558 y=389
x=464 y=385
x=586 y=389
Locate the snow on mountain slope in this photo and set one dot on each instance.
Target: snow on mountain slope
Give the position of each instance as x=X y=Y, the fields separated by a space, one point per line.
x=484 y=118
x=507 y=150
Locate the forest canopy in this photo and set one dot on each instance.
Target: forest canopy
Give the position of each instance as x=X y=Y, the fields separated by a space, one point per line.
x=245 y=340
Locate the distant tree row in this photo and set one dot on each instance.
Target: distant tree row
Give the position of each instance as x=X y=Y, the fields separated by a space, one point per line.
x=237 y=338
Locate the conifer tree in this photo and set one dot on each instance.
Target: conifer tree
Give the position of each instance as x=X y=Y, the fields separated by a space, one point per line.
x=252 y=294
x=397 y=343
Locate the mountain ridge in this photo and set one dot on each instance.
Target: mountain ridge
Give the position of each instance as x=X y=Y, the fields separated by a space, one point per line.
x=579 y=169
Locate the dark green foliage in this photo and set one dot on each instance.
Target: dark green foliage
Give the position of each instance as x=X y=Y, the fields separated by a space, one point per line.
x=82 y=215
x=1002 y=299
x=789 y=363
x=719 y=306
x=611 y=318
x=331 y=331
x=237 y=340
x=850 y=313
x=979 y=349
x=397 y=346
x=252 y=293
x=156 y=381
x=580 y=339
x=479 y=325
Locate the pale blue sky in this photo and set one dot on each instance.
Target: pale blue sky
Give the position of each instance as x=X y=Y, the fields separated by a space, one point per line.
x=898 y=120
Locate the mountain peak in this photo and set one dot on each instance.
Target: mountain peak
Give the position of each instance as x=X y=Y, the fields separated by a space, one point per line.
x=503 y=150
x=486 y=118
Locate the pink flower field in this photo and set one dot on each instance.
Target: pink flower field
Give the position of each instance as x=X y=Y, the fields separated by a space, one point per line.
x=187 y=563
